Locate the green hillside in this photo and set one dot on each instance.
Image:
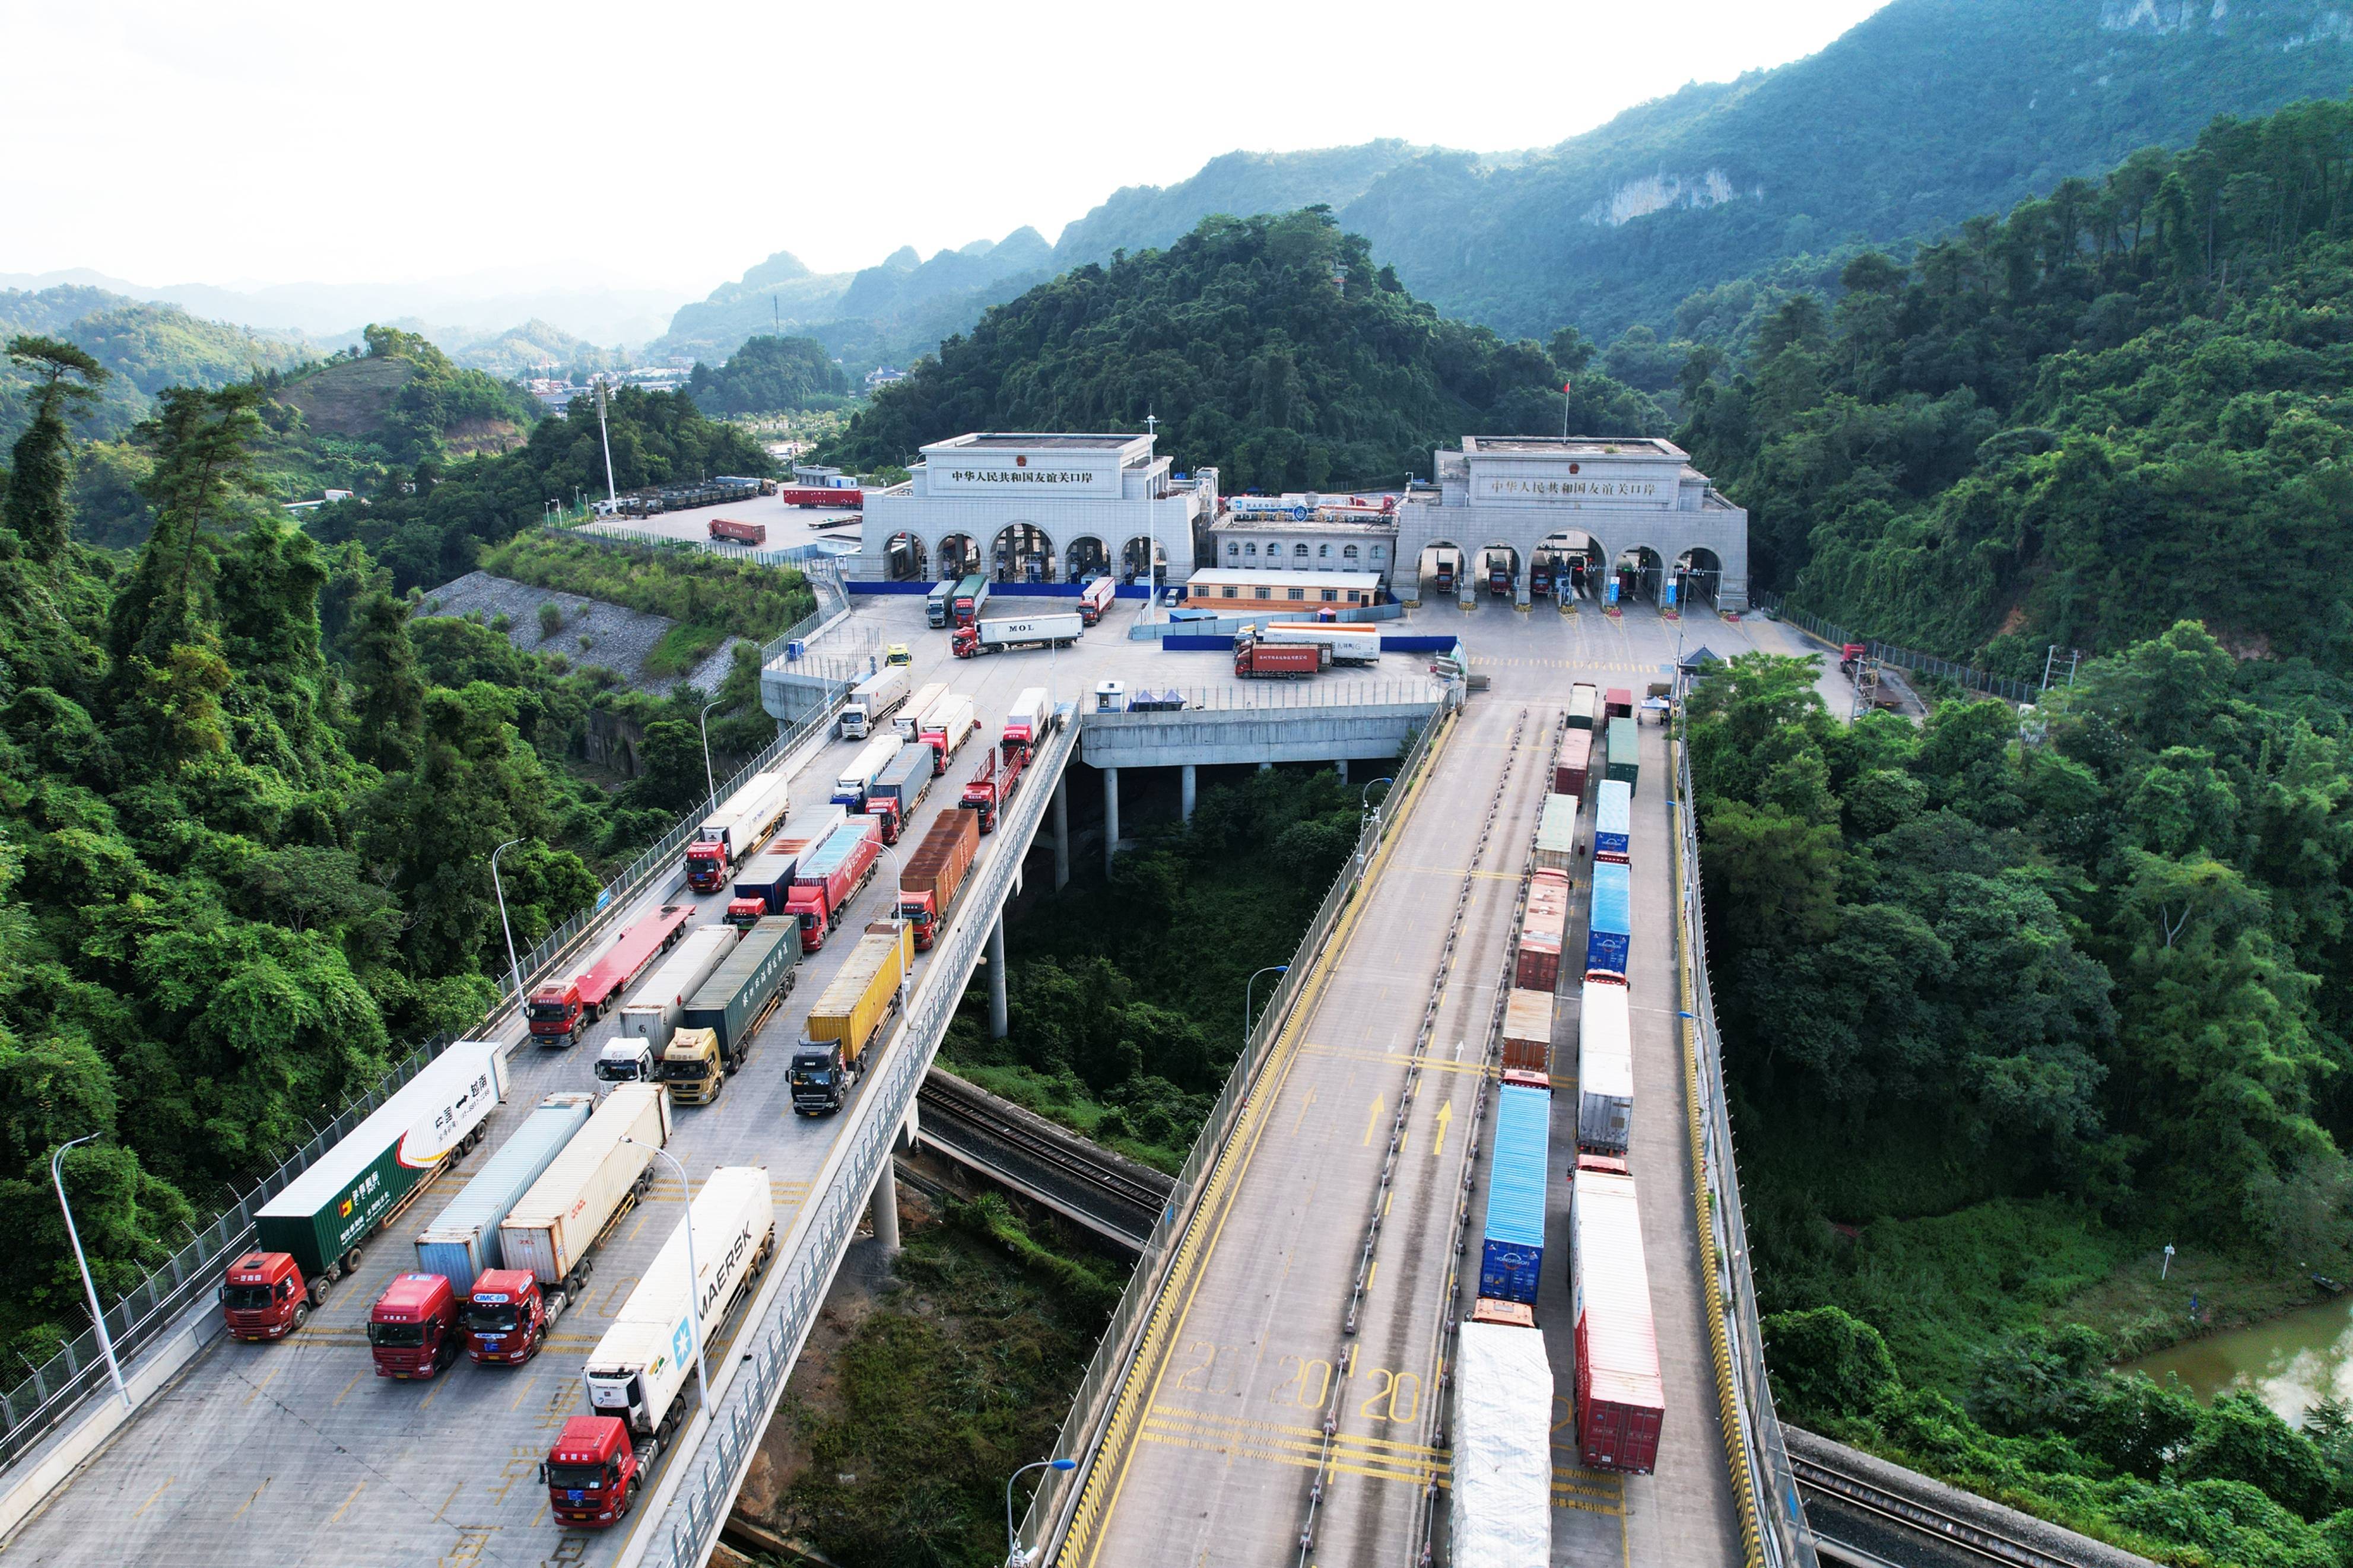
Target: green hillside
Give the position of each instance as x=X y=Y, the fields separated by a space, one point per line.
x=146 y=347
x=770 y=375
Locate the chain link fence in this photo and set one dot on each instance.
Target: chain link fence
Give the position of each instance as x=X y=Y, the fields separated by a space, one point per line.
x=1966 y=676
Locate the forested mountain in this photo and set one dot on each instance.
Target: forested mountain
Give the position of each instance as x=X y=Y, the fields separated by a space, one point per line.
x=1145 y=217
x=1272 y=347
x=146 y=347
x=2119 y=406
x=769 y=375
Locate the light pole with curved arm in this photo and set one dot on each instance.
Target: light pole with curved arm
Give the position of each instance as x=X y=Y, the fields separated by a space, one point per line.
x=1269 y=969
x=515 y=970
x=693 y=1276
x=710 y=787
x=96 y=1315
x=1014 y=1556
x=1365 y=798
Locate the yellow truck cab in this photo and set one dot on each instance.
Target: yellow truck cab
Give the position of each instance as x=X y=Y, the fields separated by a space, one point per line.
x=692 y=1068
x=897 y=653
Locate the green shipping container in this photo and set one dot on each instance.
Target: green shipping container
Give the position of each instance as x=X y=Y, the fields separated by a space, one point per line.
x=1625 y=752
x=746 y=983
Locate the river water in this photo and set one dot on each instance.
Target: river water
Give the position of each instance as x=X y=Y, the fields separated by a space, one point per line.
x=2291 y=1360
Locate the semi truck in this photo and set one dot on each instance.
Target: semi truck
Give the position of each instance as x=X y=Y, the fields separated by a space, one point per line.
x=1613 y=822
x=1349 y=644
x=938 y=602
x=946 y=728
x=548 y=1241
x=592 y=1475
x=1017 y=632
x=1557 y=834
x=1499 y=1504
x=909 y=718
x=1625 y=752
x=1583 y=706
x=840 y=498
x=559 y=1011
x=829 y=876
x=641 y=1367
x=970 y=595
x=935 y=873
x=1095 y=599
x=652 y=1013
x=1030 y=719
x=1510 y=1257
x=1605 y=1070
x=1536 y=965
x=740 y=533
x=850 y=785
x=872 y=701
x=847 y=1017
x=462 y=1240
x=1256 y=658
x=1572 y=766
x=1499 y=577
x=766 y=883
x=987 y=791
x=891 y=798
x=415 y=1331
x=731 y=1008
x=1608 y=935
x=1621 y=1402
x=309 y=1235
x=744 y=821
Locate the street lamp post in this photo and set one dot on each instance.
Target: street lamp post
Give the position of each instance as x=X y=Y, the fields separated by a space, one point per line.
x=892 y=851
x=97 y=1314
x=693 y=1276
x=1014 y=1556
x=710 y=788
x=1247 y=984
x=1364 y=797
x=515 y=970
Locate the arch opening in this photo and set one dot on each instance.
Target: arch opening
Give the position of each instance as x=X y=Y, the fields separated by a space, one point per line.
x=1639 y=571
x=1022 y=554
x=1567 y=565
x=959 y=556
x=1438 y=568
x=1135 y=553
x=905 y=558
x=1085 y=558
x=1699 y=573
x=1499 y=570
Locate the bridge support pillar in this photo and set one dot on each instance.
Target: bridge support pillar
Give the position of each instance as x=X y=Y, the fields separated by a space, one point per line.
x=1111 y=816
x=882 y=1208
x=996 y=1024
x=1063 y=831
x=1342 y=768
x=1185 y=783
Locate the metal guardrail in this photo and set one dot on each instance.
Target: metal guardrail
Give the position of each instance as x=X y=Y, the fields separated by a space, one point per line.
x=1048 y=1515
x=1962 y=675
x=699 y=1504
x=1774 y=1533
x=35 y=1407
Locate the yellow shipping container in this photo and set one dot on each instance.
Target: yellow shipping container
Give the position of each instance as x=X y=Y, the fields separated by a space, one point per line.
x=866 y=990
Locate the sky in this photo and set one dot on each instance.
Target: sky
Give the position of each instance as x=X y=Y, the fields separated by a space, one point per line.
x=670 y=146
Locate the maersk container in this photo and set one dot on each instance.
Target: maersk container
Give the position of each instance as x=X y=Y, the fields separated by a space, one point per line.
x=1613 y=819
x=1621 y=1402
x=1511 y=1261
x=1573 y=763
x=1499 y=1500
x=746 y=986
x=1537 y=965
x=462 y=1240
x=651 y=1012
x=1604 y=1069
x=553 y=1227
x=1557 y=834
x=1527 y=1031
x=1608 y=936
x=1583 y=706
x=331 y=1208
x=1625 y=752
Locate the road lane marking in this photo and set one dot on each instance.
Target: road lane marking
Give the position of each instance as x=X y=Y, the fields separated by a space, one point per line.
x=1445 y=1115
x=1301 y=1119
x=1373 y=1121
x=153 y=1496
x=337 y=1517
x=346 y=1393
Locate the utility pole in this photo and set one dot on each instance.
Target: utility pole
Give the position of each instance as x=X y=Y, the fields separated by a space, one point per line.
x=605 y=436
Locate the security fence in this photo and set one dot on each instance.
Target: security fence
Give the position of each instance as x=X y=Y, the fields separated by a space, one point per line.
x=1966 y=676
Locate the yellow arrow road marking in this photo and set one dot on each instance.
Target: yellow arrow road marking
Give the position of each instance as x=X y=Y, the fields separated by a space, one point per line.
x=1445 y=1115
x=1373 y=1121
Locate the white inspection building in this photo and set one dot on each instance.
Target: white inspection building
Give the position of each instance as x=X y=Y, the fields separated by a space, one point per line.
x=1024 y=506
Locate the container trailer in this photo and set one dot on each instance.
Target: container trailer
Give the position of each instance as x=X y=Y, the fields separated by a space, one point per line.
x=1256 y=658
x=1095 y=599
x=1583 y=706
x=946 y=728
x=652 y=1013
x=872 y=701
x=1572 y=763
x=829 y=876
x=743 y=821
x=462 y=1240
x=1499 y=1496
x=850 y=787
x=1557 y=834
x=1511 y=1259
x=904 y=782
x=1618 y=702
x=844 y=497
x=936 y=873
x=848 y=1015
x=971 y=595
x=1527 y=1031
x=1003 y=636
x=1624 y=752
x=1613 y=817
x=1605 y=1070
x=554 y=1229
x=738 y=998
x=1030 y=719
x=1607 y=935
x=764 y=886
x=740 y=533
x=937 y=602
x=907 y=721
x=1536 y=966
x=559 y=1011
x=1620 y=1403
x=1349 y=644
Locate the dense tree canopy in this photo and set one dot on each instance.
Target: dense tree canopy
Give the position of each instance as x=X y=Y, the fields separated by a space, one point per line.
x=769 y=375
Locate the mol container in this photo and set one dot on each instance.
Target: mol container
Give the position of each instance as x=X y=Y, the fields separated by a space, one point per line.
x=326 y=1212
x=652 y=1013
x=1605 y=1070
x=1573 y=763
x=1511 y=1259
x=1583 y=706
x=1613 y=819
x=553 y=1228
x=1620 y=1404
x=1624 y=753
x=1557 y=834
x=1527 y=1031
x=1608 y=935
x=462 y=1240
x=1537 y=965
x=1499 y=1500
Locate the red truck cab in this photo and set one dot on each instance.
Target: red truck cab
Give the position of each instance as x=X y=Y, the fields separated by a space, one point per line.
x=507 y=1318
x=265 y=1297
x=592 y=1471
x=884 y=810
x=413 y=1329
x=706 y=865
x=745 y=913
x=555 y=1012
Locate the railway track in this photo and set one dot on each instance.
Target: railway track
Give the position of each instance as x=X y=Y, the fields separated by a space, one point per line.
x=1910 y=1517
x=1057 y=1167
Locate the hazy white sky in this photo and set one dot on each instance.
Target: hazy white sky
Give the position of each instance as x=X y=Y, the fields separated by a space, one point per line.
x=675 y=143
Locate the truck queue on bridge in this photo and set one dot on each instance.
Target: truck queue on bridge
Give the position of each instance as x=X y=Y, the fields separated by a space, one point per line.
x=499 y=1265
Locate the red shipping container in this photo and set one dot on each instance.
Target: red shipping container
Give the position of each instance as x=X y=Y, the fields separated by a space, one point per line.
x=1620 y=1403
x=1538 y=965
x=1568 y=769
x=1618 y=702
x=740 y=533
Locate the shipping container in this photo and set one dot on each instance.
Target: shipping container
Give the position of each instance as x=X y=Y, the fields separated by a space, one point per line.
x=1538 y=966
x=971 y=595
x=866 y=989
x=462 y=1240
x=850 y=785
x=1613 y=822
x=1625 y=752
x=1607 y=936
x=1499 y=1491
x=1583 y=706
x=1031 y=717
x=746 y=986
x=1527 y=1031
x=1557 y=834
x=741 y=823
x=1573 y=763
x=872 y=701
x=904 y=780
x=1350 y=644
x=652 y=1011
x=327 y=1211
x=1511 y=1259
x=831 y=876
x=553 y=1228
x=1095 y=599
x=907 y=720
x=944 y=729
x=935 y=872
x=1620 y=1403
x=936 y=602
x=1618 y=702
x=1605 y=1069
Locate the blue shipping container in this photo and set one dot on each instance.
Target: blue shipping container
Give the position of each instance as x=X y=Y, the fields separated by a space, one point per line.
x=1613 y=822
x=1607 y=933
x=828 y=857
x=1512 y=1259
x=463 y=1238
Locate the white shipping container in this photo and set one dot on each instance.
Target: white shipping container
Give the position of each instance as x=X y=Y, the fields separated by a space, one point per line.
x=950 y=716
x=1605 y=1069
x=652 y=1013
x=908 y=719
x=850 y=787
x=647 y=1356
x=552 y=1229
x=1557 y=834
x=871 y=699
x=1500 y=1486
x=1583 y=705
x=1349 y=644
x=750 y=814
